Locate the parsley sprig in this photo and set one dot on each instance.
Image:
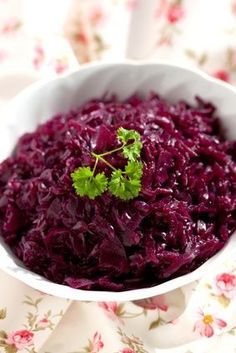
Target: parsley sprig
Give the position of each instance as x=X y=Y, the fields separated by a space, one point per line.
x=124 y=184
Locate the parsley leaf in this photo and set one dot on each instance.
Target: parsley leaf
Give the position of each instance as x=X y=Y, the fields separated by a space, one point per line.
x=86 y=184
x=124 y=187
x=134 y=170
x=125 y=135
x=132 y=151
x=125 y=184
x=132 y=145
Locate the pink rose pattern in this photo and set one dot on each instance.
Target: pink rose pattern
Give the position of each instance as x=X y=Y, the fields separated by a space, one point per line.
x=133 y=344
x=10 y=26
x=158 y=302
x=39 y=56
x=43 y=323
x=95 y=345
x=117 y=312
x=110 y=307
x=171 y=13
x=97 y=15
x=225 y=284
x=127 y=350
x=60 y=64
x=20 y=339
x=223 y=288
x=23 y=338
x=222 y=75
x=86 y=35
x=175 y=13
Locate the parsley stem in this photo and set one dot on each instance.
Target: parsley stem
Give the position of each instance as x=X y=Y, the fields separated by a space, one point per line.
x=112 y=151
x=95 y=165
x=99 y=157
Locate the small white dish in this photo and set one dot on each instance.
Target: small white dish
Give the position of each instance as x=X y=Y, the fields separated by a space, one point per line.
x=42 y=100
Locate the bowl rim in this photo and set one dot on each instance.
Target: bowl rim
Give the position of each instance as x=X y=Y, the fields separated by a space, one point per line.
x=40 y=283
x=128 y=62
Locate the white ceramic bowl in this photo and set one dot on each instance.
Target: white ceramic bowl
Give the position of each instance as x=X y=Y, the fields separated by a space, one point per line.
x=42 y=100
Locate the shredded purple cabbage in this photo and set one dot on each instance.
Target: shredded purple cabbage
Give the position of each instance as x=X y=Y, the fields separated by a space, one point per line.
x=183 y=216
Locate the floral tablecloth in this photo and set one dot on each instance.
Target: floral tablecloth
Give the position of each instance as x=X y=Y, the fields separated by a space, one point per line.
x=48 y=37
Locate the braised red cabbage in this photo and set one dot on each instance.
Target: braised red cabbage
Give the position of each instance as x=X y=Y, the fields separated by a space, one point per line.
x=183 y=216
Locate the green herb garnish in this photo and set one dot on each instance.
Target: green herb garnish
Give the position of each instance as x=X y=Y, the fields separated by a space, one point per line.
x=131 y=151
x=88 y=184
x=125 y=184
